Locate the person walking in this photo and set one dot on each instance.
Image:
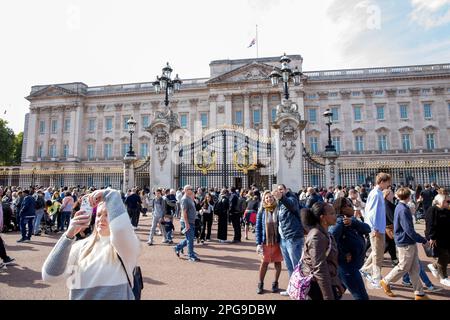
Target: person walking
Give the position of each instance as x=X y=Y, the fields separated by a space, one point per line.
x=27 y=214
x=250 y=212
x=7 y=260
x=388 y=195
x=207 y=217
x=320 y=256
x=375 y=217
x=98 y=267
x=159 y=209
x=289 y=227
x=268 y=241
x=405 y=238
x=40 y=211
x=438 y=232
x=188 y=215
x=349 y=234
x=221 y=210
x=133 y=203
x=235 y=214
x=66 y=210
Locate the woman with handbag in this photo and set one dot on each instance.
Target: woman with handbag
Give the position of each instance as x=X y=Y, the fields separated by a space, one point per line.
x=320 y=253
x=100 y=266
x=268 y=240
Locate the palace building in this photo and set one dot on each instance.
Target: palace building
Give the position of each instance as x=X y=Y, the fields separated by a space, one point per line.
x=392 y=119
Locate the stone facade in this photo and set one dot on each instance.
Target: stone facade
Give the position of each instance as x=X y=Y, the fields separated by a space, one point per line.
x=381 y=114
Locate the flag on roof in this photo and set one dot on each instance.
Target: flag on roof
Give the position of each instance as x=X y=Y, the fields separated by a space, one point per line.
x=252 y=43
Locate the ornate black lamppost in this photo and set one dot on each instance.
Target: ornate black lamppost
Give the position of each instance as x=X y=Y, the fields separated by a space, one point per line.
x=286 y=75
x=330 y=147
x=131 y=129
x=167 y=85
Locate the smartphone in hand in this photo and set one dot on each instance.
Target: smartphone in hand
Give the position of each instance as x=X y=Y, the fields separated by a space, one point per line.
x=86 y=206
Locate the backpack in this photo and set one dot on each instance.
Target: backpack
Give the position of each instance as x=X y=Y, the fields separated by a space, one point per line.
x=40 y=203
x=138 y=283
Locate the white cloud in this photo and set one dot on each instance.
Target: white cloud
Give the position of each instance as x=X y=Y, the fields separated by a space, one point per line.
x=430 y=13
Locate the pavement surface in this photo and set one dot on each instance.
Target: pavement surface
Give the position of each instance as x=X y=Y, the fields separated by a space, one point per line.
x=226 y=271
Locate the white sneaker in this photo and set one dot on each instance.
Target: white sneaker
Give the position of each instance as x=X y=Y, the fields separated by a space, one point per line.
x=366 y=275
x=284 y=293
x=374 y=284
x=445 y=282
x=432 y=289
x=433 y=270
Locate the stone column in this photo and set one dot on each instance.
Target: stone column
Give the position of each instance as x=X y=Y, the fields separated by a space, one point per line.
x=128 y=173
x=162 y=166
x=228 y=110
x=213 y=111
x=100 y=130
x=265 y=112
x=323 y=106
x=246 y=110
x=331 y=170
x=440 y=117
x=77 y=130
x=117 y=131
x=371 y=119
x=415 y=116
x=137 y=118
x=288 y=145
x=71 y=110
x=60 y=111
x=32 y=134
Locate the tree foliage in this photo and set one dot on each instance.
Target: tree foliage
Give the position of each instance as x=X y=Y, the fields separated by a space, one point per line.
x=10 y=145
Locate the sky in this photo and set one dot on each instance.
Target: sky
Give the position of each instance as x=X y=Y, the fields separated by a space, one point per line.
x=101 y=42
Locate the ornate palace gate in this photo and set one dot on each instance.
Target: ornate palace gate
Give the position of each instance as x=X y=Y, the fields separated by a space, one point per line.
x=225 y=158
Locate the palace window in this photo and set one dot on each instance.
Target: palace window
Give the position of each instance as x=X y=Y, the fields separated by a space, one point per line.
x=357 y=113
x=430 y=141
x=356 y=94
x=125 y=148
x=337 y=143
x=335 y=117
x=65 y=150
x=108 y=124
x=125 y=122
x=238 y=118
x=426 y=91
x=333 y=94
x=274 y=113
x=379 y=93
x=382 y=143
x=41 y=127
x=54 y=126
x=403 y=111
x=40 y=151
x=204 y=119
x=406 y=142
x=108 y=151
x=91 y=126
x=67 y=125
x=145 y=122
x=144 y=150
x=256 y=116
x=427 y=111
x=90 y=152
x=402 y=91
x=312 y=115
x=380 y=112
x=359 y=143
x=184 y=121
x=313 y=145
x=52 y=151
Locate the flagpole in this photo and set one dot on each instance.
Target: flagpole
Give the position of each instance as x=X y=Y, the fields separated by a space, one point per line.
x=257 y=43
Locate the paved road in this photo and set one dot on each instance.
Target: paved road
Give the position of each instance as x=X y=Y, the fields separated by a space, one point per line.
x=227 y=271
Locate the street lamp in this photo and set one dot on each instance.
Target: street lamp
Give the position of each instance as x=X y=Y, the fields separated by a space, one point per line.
x=166 y=84
x=131 y=129
x=330 y=147
x=286 y=75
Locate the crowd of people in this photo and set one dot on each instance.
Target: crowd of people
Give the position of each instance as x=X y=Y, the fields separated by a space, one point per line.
x=337 y=235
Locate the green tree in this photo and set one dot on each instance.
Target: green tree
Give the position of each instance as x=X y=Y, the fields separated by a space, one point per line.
x=7 y=143
x=18 y=141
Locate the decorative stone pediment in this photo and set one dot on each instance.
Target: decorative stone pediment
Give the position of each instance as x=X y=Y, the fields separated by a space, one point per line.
x=52 y=91
x=144 y=138
x=406 y=129
x=251 y=72
x=124 y=138
x=91 y=140
x=313 y=132
x=359 y=131
x=108 y=140
x=336 y=132
x=382 y=130
x=430 y=129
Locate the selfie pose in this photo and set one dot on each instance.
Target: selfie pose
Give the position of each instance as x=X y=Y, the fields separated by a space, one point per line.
x=92 y=267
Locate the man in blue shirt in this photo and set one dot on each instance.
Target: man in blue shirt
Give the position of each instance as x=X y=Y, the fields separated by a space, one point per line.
x=375 y=216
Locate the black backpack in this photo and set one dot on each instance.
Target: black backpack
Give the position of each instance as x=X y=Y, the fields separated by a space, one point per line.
x=40 y=203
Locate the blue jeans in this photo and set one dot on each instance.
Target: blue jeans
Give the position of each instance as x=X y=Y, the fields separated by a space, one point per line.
x=189 y=241
x=23 y=223
x=37 y=220
x=65 y=217
x=169 y=235
x=292 y=252
x=423 y=276
x=351 y=278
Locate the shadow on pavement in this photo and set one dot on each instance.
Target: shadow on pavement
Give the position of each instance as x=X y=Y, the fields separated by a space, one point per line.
x=22 y=277
x=19 y=247
x=232 y=262
x=153 y=282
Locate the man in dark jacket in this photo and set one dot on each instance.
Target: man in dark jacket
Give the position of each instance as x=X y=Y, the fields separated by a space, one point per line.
x=27 y=214
x=235 y=215
x=221 y=209
x=290 y=228
x=312 y=197
x=133 y=203
x=427 y=197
